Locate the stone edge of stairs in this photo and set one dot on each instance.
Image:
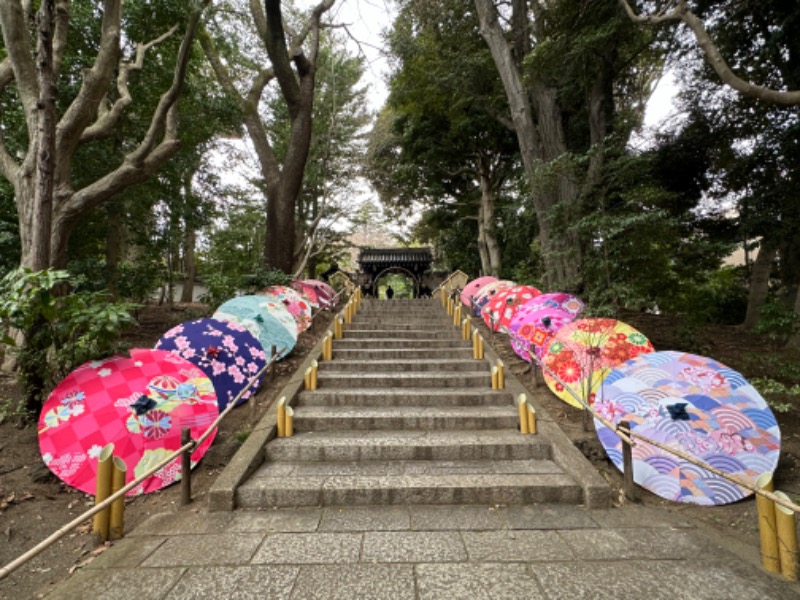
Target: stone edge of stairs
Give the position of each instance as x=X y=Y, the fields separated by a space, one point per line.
x=222 y=494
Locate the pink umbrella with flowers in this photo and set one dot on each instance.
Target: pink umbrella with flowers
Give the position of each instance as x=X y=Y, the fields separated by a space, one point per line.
x=503 y=306
x=487 y=292
x=325 y=293
x=295 y=303
x=473 y=287
x=583 y=352
x=307 y=291
x=556 y=300
x=534 y=330
x=139 y=404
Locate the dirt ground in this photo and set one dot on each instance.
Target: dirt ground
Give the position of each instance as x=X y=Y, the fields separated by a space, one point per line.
x=34 y=504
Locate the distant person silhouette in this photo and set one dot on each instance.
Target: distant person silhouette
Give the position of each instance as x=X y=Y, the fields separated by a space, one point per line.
x=389 y=293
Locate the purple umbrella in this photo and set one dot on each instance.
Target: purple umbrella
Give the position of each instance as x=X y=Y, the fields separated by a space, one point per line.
x=226 y=352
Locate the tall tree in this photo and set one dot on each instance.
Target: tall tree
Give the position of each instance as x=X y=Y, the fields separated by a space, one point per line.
x=40 y=163
x=294 y=68
x=564 y=66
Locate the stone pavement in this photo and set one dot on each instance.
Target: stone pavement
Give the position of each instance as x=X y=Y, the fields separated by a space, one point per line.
x=553 y=552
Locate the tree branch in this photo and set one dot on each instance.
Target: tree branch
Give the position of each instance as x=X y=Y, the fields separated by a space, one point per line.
x=17 y=42
x=60 y=35
x=107 y=117
x=682 y=12
x=275 y=41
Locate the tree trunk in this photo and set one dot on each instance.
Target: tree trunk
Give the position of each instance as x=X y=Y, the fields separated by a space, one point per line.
x=486 y=264
x=759 y=285
x=189 y=265
x=794 y=340
x=539 y=140
x=486 y=226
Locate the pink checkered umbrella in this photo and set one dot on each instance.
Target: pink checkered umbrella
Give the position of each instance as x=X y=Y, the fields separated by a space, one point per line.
x=534 y=330
x=558 y=300
x=140 y=404
x=501 y=308
x=473 y=287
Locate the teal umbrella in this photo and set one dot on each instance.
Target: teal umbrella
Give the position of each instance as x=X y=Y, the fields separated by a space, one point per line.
x=251 y=313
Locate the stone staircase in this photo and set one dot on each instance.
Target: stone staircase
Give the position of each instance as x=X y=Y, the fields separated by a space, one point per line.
x=405 y=415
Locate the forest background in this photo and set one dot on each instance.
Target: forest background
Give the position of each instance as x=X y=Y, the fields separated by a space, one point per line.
x=510 y=141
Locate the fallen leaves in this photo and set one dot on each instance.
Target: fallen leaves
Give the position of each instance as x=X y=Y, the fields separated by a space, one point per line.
x=11 y=499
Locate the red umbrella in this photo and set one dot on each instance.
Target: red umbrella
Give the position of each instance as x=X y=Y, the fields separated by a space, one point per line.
x=140 y=404
x=307 y=291
x=505 y=303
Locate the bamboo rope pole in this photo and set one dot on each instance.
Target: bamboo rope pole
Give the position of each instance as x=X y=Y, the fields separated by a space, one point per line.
x=480 y=347
x=475 y=344
x=314 y=374
x=522 y=401
x=281 y=417
x=767 y=529
x=80 y=519
x=307 y=379
x=628 y=484
x=787 y=539
x=501 y=375
x=289 y=426
x=105 y=467
x=116 y=517
x=494 y=378
x=531 y=420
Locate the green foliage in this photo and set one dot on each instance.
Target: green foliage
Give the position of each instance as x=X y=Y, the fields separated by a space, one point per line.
x=781 y=398
x=221 y=287
x=262 y=278
x=58 y=330
x=778 y=321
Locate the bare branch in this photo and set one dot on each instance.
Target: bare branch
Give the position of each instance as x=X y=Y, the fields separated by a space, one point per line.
x=682 y=12
x=109 y=116
x=17 y=42
x=60 y=35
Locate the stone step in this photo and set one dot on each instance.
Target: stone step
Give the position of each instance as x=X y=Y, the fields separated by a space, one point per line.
x=400 y=334
x=330 y=446
x=406 y=365
x=406 y=397
x=399 y=325
x=404 y=418
x=433 y=342
x=402 y=353
x=429 y=482
x=433 y=379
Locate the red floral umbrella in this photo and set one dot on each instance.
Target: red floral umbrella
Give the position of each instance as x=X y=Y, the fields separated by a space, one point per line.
x=325 y=292
x=583 y=352
x=294 y=302
x=307 y=291
x=473 y=287
x=502 y=307
x=140 y=404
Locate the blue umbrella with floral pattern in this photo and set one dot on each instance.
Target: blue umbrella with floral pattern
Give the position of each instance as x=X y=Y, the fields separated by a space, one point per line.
x=251 y=312
x=226 y=352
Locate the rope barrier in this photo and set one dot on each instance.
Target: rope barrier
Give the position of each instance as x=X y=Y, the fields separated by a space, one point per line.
x=188 y=447
x=627 y=436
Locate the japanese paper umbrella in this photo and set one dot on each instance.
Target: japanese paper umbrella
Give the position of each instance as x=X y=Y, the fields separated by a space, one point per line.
x=583 y=352
x=325 y=292
x=558 y=300
x=535 y=329
x=226 y=352
x=140 y=404
x=248 y=312
x=501 y=308
x=295 y=303
x=486 y=293
x=698 y=406
x=307 y=291
x=472 y=288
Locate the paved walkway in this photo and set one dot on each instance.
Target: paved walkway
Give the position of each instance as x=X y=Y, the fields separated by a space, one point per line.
x=423 y=552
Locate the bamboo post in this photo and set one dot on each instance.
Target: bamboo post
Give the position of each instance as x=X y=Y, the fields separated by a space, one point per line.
x=307 y=379
x=186 y=468
x=531 y=420
x=457 y=316
x=628 y=485
x=338 y=329
x=767 y=527
x=495 y=378
x=501 y=375
x=787 y=538
x=289 y=427
x=480 y=346
x=443 y=296
x=522 y=401
x=475 y=344
x=116 y=516
x=281 y=417
x=314 y=374
x=102 y=491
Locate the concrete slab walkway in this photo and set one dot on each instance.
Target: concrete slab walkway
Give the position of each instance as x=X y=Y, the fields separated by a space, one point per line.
x=547 y=552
